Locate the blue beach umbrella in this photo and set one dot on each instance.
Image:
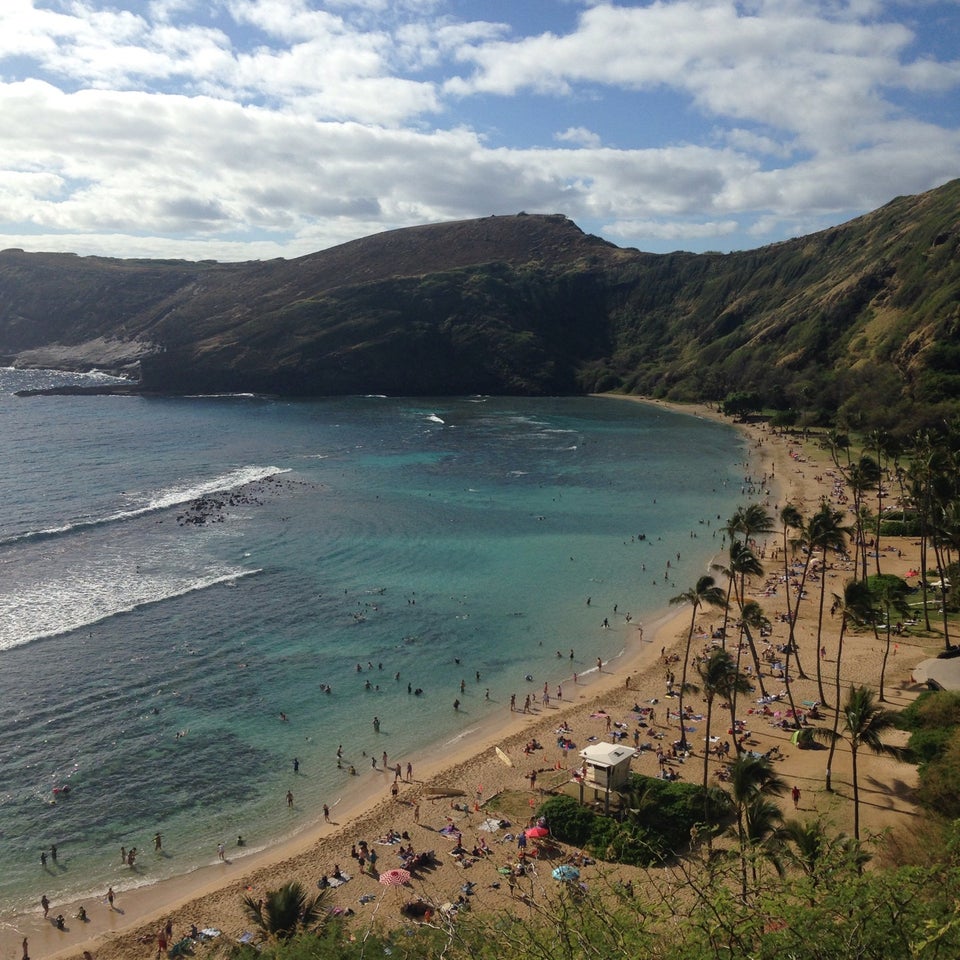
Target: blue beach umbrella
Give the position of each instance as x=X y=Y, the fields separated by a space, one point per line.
x=566 y=872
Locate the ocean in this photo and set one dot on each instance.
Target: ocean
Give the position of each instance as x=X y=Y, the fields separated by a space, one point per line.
x=196 y=591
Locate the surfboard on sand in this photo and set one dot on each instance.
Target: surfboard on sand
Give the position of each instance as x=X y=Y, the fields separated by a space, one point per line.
x=439 y=792
x=503 y=757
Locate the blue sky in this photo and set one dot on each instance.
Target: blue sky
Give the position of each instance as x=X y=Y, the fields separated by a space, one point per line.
x=253 y=129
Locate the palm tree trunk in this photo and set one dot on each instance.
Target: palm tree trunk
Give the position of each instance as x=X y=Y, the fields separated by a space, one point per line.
x=706 y=768
x=823 y=591
x=683 y=677
x=886 y=653
x=756 y=660
x=836 y=718
x=856 y=790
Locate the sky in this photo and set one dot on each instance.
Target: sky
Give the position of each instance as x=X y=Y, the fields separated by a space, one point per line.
x=254 y=129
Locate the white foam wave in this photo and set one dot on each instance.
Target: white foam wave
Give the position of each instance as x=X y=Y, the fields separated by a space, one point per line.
x=53 y=607
x=435 y=419
x=159 y=500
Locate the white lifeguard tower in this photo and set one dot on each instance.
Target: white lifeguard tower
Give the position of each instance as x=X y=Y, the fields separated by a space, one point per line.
x=605 y=768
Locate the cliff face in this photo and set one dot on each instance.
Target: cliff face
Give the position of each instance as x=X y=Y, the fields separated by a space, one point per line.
x=519 y=305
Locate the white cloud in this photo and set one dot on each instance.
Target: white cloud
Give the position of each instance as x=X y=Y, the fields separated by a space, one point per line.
x=638 y=232
x=288 y=125
x=580 y=136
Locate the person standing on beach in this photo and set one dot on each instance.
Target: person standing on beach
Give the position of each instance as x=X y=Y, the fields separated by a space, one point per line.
x=416 y=813
x=110 y=896
x=26 y=949
x=795 y=793
x=326 y=814
x=221 y=852
x=45 y=903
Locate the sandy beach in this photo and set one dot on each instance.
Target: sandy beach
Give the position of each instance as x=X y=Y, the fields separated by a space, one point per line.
x=798 y=473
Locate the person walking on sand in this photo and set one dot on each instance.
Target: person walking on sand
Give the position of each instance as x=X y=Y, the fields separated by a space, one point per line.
x=45 y=903
x=26 y=949
x=416 y=813
x=795 y=793
x=110 y=896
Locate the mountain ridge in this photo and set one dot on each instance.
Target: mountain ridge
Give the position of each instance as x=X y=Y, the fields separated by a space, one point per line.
x=524 y=304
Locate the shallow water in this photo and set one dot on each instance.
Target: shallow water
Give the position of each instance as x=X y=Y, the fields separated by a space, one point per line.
x=145 y=659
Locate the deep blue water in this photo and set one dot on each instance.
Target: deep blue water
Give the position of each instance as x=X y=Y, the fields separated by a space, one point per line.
x=145 y=659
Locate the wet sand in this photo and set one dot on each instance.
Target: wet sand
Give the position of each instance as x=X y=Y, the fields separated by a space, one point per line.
x=212 y=896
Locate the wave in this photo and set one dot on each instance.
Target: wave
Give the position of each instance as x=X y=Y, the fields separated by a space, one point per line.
x=85 y=602
x=435 y=419
x=161 y=500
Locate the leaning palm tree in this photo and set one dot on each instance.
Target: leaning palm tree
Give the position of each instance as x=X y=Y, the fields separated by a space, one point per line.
x=864 y=724
x=705 y=592
x=281 y=913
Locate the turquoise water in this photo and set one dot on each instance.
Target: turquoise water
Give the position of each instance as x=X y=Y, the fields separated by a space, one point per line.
x=145 y=659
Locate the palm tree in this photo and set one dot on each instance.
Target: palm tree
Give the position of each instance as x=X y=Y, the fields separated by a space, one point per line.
x=762 y=819
x=718 y=677
x=862 y=477
x=750 y=777
x=752 y=615
x=792 y=519
x=809 y=846
x=285 y=911
x=890 y=595
x=825 y=532
x=854 y=607
x=864 y=724
x=743 y=564
x=704 y=592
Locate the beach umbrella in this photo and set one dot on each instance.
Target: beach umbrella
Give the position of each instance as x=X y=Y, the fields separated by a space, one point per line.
x=535 y=833
x=395 y=878
x=566 y=872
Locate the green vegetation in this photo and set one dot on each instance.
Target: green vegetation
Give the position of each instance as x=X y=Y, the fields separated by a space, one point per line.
x=934 y=721
x=827 y=908
x=655 y=828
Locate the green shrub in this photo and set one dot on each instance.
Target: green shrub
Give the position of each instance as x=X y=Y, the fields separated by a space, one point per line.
x=939 y=787
x=927 y=745
x=933 y=709
x=568 y=820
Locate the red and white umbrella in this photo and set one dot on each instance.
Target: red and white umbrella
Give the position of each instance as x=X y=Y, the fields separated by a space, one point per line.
x=395 y=878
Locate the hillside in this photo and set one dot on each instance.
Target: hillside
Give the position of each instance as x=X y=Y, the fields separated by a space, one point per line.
x=525 y=304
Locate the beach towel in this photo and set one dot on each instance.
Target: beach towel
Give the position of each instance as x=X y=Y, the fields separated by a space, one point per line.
x=338 y=881
x=490 y=826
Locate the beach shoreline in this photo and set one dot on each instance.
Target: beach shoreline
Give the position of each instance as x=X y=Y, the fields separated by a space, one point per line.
x=212 y=895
